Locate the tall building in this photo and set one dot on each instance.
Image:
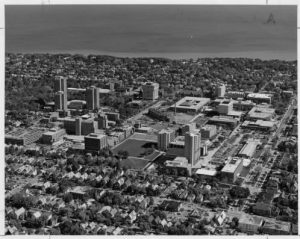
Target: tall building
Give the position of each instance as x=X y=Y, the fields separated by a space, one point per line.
x=92 y=98
x=188 y=128
x=102 y=121
x=220 y=91
x=192 y=147
x=60 y=85
x=60 y=101
x=95 y=142
x=78 y=122
x=150 y=91
x=165 y=136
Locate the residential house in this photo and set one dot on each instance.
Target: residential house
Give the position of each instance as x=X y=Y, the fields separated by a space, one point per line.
x=20 y=213
x=220 y=218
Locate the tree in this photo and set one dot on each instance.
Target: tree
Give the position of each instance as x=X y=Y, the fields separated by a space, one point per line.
x=68 y=197
x=239 y=192
x=20 y=200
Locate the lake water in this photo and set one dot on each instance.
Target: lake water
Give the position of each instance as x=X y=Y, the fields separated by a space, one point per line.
x=164 y=31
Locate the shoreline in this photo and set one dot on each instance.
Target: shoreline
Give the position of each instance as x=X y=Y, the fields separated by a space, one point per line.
x=264 y=56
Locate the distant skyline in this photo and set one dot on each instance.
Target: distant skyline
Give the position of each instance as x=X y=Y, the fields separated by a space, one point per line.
x=171 y=31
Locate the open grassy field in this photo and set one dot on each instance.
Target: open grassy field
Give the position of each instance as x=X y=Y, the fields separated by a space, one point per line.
x=134 y=163
x=135 y=148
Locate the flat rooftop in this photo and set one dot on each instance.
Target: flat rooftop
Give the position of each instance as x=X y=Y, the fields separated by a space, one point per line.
x=223 y=119
x=96 y=136
x=249 y=219
x=259 y=96
x=278 y=225
x=259 y=123
x=261 y=111
x=177 y=162
x=206 y=172
x=53 y=131
x=192 y=103
x=179 y=140
x=249 y=148
x=231 y=166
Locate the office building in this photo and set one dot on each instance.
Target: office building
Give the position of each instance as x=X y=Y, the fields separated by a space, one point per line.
x=95 y=142
x=24 y=136
x=88 y=126
x=235 y=94
x=220 y=90
x=53 y=135
x=231 y=170
x=188 y=128
x=249 y=223
x=92 y=98
x=261 y=125
x=102 y=121
x=165 y=136
x=203 y=149
x=60 y=101
x=150 y=91
x=223 y=121
x=190 y=104
x=261 y=112
x=260 y=98
x=249 y=148
x=60 y=84
x=72 y=126
x=243 y=105
x=112 y=116
x=192 y=147
x=208 y=131
x=225 y=107
x=78 y=122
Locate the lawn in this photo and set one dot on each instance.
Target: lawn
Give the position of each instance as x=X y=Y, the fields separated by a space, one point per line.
x=134 y=163
x=135 y=148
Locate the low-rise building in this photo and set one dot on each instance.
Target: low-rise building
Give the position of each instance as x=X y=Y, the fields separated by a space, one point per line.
x=190 y=104
x=24 y=136
x=262 y=209
x=95 y=142
x=276 y=228
x=208 y=131
x=231 y=170
x=260 y=98
x=223 y=121
x=249 y=223
x=243 y=105
x=249 y=148
x=225 y=107
x=235 y=94
x=259 y=125
x=53 y=135
x=206 y=173
x=261 y=112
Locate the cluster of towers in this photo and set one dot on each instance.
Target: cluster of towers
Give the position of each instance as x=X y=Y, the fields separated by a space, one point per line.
x=61 y=95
